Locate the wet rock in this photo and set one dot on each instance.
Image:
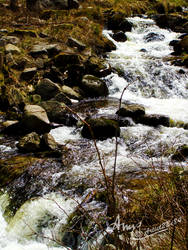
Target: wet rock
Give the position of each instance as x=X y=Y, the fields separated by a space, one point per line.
x=45 y=49
x=151 y=37
x=61 y=97
x=58 y=113
x=93 y=86
x=100 y=128
x=131 y=110
x=28 y=74
x=180 y=46
x=154 y=120
x=13 y=167
x=181 y=153
x=97 y=67
x=72 y=42
x=184 y=44
x=9 y=39
x=117 y=21
x=10 y=48
x=104 y=45
x=71 y=93
x=173 y=22
x=29 y=143
x=49 y=143
x=47 y=89
x=119 y=36
x=35 y=119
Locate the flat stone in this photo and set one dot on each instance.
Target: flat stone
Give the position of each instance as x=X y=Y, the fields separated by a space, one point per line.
x=10 y=48
x=28 y=74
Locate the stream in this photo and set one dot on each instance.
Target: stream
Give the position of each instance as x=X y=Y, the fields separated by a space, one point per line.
x=142 y=64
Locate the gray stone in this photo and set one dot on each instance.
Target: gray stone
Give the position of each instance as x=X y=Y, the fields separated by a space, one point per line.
x=71 y=93
x=45 y=49
x=35 y=119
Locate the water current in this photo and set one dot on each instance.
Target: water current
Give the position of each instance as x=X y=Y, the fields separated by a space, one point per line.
x=154 y=82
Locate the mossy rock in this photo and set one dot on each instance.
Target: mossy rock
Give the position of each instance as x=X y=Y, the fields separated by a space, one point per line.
x=57 y=112
x=64 y=59
x=22 y=33
x=29 y=143
x=100 y=128
x=94 y=86
x=181 y=153
x=131 y=110
x=184 y=44
x=13 y=167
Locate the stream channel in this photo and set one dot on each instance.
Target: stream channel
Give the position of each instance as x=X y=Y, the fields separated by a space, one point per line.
x=162 y=88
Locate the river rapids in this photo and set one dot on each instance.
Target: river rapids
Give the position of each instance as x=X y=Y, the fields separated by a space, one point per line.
x=143 y=67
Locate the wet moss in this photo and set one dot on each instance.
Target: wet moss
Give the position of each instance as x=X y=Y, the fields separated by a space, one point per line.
x=13 y=167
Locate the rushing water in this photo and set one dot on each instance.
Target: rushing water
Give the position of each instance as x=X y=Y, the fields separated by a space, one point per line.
x=153 y=82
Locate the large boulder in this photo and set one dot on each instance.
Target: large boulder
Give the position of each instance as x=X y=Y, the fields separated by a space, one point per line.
x=63 y=60
x=58 y=113
x=152 y=37
x=93 y=86
x=117 y=21
x=173 y=22
x=35 y=119
x=154 y=120
x=29 y=143
x=131 y=110
x=119 y=36
x=47 y=89
x=45 y=49
x=100 y=128
x=71 y=93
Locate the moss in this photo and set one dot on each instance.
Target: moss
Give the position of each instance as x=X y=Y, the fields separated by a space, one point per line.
x=13 y=167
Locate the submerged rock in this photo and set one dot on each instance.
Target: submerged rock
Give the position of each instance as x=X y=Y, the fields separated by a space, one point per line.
x=100 y=128
x=151 y=37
